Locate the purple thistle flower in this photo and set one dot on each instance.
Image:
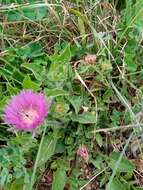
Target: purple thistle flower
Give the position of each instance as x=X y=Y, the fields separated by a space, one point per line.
x=26 y=111
x=83 y=152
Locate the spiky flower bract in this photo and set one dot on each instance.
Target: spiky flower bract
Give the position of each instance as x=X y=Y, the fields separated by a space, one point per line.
x=26 y=111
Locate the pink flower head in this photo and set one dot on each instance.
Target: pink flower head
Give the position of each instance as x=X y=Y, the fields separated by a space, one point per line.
x=83 y=152
x=26 y=111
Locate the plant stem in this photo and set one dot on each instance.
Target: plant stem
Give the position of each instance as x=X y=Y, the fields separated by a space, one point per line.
x=37 y=159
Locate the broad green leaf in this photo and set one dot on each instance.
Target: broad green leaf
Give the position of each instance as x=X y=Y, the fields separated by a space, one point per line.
x=76 y=102
x=41 y=13
x=31 y=51
x=97 y=161
x=130 y=63
x=55 y=92
x=59 y=68
x=63 y=57
x=58 y=72
x=35 y=13
x=37 y=69
x=85 y=118
x=14 y=16
x=59 y=179
x=124 y=166
x=60 y=147
x=48 y=149
x=27 y=13
x=117 y=185
x=29 y=84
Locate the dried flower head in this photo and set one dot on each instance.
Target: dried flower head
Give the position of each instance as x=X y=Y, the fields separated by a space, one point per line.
x=59 y=108
x=83 y=152
x=90 y=59
x=26 y=111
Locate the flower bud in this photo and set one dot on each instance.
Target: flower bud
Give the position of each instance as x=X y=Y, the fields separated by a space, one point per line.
x=83 y=152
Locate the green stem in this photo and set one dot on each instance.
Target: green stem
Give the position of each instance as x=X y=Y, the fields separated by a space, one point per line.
x=37 y=160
